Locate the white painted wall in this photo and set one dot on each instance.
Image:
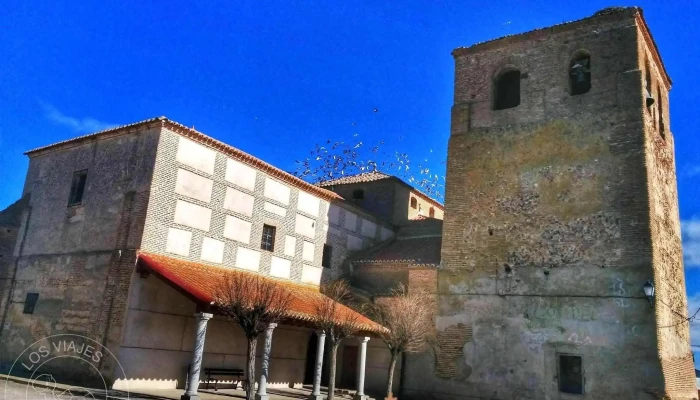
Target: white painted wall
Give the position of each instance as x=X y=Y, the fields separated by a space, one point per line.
x=311 y=274
x=247 y=259
x=212 y=250
x=369 y=228
x=276 y=191
x=290 y=243
x=239 y=202
x=280 y=267
x=240 y=174
x=178 y=242
x=237 y=229
x=196 y=156
x=305 y=226
x=350 y=221
x=275 y=209
x=307 y=251
x=308 y=203
x=192 y=215
x=192 y=185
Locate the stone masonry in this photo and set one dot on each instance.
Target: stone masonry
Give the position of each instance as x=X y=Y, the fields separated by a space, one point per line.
x=557 y=212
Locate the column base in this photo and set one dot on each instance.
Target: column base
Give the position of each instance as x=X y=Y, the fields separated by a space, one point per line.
x=189 y=397
x=360 y=397
x=316 y=397
x=262 y=396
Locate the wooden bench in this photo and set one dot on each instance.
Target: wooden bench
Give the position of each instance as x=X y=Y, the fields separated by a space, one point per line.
x=238 y=373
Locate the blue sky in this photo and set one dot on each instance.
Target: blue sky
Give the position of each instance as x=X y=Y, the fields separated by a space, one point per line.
x=275 y=77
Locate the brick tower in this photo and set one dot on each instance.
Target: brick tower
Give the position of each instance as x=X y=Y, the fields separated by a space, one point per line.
x=561 y=203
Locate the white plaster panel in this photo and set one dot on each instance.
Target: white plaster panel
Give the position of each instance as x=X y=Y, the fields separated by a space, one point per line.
x=307 y=251
x=212 y=250
x=311 y=274
x=350 y=221
x=276 y=191
x=369 y=228
x=275 y=209
x=305 y=226
x=192 y=215
x=334 y=214
x=240 y=174
x=237 y=229
x=334 y=231
x=280 y=267
x=308 y=203
x=247 y=259
x=239 y=202
x=196 y=156
x=354 y=243
x=290 y=243
x=193 y=185
x=178 y=242
x=386 y=233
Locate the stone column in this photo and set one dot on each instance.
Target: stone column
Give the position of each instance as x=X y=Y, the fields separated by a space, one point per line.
x=262 y=385
x=361 y=361
x=197 y=353
x=316 y=393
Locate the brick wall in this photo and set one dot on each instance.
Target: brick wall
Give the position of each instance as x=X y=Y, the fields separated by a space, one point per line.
x=345 y=227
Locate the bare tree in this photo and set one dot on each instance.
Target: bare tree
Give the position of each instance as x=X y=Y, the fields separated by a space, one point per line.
x=337 y=321
x=408 y=319
x=253 y=302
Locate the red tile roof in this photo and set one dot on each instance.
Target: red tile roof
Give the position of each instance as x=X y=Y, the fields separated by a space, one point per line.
x=371 y=177
x=202 y=139
x=199 y=282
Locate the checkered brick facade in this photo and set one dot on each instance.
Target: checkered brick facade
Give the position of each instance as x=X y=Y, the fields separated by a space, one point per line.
x=163 y=200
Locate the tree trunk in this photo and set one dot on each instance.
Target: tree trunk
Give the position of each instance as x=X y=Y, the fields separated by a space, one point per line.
x=252 y=347
x=331 y=371
x=392 y=366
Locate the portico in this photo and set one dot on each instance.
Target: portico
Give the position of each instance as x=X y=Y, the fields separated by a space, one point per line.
x=279 y=368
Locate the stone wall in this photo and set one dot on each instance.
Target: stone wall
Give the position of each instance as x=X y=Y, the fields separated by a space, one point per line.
x=79 y=258
x=547 y=239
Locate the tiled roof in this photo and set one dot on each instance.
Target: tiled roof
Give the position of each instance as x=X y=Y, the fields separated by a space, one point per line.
x=199 y=282
x=637 y=12
x=207 y=141
x=358 y=178
x=372 y=176
x=415 y=251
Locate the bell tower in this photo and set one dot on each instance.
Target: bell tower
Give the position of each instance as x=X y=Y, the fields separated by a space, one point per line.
x=561 y=203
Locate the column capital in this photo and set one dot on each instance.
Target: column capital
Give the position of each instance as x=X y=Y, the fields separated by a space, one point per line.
x=321 y=332
x=271 y=326
x=203 y=316
x=363 y=339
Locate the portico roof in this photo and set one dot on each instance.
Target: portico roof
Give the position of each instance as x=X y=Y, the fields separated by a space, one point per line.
x=199 y=282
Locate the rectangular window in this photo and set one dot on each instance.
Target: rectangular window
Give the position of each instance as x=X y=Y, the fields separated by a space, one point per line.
x=268 y=238
x=570 y=374
x=77 y=188
x=327 y=256
x=30 y=303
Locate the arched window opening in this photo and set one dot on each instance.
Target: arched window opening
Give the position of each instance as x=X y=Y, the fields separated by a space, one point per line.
x=507 y=90
x=580 y=74
x=431 y=213
x=414 y=202
x=649 y=99
x=662 y=124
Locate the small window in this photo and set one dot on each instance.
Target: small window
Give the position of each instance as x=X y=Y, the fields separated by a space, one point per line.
x=358 y=194
x=507 y=90
x=30 y=303
x=580 y=75
x=649 y=99
x=268 y=238
x=77 y=188
x=570 y=374
x=662 y=124
x=431 y=213
x=327 y=256
x=414 y=202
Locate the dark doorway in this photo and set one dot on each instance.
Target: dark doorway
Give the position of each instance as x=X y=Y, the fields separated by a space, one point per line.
x=348 y=378
x=311 y=361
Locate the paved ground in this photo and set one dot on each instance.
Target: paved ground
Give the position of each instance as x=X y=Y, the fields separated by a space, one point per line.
x=18 y=390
